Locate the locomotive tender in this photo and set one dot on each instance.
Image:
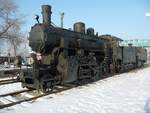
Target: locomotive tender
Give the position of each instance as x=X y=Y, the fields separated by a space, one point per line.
x=67 y=56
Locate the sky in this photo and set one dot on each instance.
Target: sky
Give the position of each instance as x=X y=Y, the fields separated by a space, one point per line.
x=122 y=18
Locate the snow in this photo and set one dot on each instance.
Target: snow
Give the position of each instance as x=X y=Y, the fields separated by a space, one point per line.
x=10 y=88
x=124 y=93
x=7 y=78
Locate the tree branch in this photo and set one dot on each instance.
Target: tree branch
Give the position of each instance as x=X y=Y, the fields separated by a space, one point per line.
x=5 y=30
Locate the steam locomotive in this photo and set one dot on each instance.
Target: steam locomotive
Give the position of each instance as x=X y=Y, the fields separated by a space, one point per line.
x=75 y=56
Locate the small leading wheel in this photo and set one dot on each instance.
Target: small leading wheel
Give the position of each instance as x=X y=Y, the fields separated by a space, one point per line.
x=46 y=86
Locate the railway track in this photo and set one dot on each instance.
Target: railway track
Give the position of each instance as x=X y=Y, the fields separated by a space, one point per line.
x=57 y=89
x=15 y=93
x=9 y=81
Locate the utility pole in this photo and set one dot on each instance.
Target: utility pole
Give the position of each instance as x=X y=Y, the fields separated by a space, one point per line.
x=62 y=18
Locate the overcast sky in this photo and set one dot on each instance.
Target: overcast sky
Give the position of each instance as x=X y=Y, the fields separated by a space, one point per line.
x=122 y=18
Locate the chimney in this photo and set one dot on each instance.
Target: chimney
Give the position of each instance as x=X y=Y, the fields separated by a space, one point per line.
x=46 y=13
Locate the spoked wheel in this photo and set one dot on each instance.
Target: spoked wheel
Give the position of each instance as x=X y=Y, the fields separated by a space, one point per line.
x=44 y=88
x=46 y=84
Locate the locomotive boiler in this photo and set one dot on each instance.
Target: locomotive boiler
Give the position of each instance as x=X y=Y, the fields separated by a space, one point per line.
x=64 y=56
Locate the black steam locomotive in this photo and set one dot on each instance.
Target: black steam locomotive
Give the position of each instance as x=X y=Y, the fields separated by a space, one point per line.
x=74 y=56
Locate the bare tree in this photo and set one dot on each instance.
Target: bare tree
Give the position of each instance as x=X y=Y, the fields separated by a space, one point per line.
x=7 y=16
x=10 y=24
x=15 y=41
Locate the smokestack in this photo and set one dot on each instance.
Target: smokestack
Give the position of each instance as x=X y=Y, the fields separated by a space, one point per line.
x=46 y=13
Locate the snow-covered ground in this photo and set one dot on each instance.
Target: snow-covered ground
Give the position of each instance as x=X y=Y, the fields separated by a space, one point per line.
x=10 y=88
x=7 y=78
x=124 y=93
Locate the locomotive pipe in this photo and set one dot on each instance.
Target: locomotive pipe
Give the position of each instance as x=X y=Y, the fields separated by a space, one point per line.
x=46 y=13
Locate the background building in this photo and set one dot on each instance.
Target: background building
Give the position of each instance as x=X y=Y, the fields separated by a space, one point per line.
x=145 y=43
